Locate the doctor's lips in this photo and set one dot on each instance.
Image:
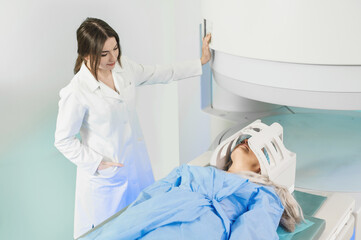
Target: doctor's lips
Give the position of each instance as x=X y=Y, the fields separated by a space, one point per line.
x=112 y=64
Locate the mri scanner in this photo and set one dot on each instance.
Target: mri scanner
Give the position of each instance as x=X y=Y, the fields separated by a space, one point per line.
x=297 y=63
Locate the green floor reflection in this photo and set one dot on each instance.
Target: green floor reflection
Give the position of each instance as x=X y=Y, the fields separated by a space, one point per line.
x=37 y=187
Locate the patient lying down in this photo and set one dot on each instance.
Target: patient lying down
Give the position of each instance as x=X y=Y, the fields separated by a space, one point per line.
x=244 y=162
x=208 y=203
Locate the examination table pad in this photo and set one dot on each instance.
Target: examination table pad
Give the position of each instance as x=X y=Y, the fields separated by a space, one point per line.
x=313 y=227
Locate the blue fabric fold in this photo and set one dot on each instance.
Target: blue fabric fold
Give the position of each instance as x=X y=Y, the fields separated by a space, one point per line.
x=198 y=203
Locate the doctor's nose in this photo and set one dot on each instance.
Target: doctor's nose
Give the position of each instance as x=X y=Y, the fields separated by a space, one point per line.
x=113 y=56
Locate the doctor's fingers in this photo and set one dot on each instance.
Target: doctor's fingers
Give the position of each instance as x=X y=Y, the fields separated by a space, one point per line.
x=205 y=45
x=207 y=39
x=112 y=164
x=206 y=53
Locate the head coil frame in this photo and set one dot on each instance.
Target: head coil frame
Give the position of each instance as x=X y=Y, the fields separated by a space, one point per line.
x=276 y=162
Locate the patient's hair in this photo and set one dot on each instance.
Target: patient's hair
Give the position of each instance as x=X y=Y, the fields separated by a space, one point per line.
x=292 y=213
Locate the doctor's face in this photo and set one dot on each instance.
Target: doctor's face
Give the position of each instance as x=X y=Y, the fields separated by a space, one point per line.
x=109 y=55
x=244 y=159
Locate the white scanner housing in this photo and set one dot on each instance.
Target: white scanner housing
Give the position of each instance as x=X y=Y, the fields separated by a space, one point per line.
x=301 y=53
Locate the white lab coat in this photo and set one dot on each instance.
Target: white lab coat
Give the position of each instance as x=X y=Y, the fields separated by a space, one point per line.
x=110 y=131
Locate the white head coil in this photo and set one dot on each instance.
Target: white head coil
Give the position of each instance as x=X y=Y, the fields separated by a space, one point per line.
x=276 y=162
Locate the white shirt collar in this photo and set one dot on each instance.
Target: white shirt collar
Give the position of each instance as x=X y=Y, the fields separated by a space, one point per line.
x=90 y=80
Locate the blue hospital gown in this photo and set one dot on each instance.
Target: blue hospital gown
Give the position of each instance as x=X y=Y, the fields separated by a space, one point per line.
x=198 y=203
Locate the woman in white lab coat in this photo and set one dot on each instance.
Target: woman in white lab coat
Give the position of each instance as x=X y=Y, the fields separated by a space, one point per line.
x=99 y=103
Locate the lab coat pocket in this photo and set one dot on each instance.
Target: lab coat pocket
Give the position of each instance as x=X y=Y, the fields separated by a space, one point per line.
x=109 y=177
x=107 y=172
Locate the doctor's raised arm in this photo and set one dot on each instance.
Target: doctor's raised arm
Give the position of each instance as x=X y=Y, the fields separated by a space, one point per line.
x=99 y=104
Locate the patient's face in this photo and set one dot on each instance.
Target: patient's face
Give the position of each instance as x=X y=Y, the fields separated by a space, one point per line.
x=244 y=159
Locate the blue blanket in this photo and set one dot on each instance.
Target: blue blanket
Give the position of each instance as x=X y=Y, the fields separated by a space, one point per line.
x=198 y=203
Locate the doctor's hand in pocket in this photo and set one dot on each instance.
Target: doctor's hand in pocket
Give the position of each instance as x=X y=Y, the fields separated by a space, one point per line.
x=105 y=164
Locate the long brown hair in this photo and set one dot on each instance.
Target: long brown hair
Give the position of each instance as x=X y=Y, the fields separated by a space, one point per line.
x=91 y=36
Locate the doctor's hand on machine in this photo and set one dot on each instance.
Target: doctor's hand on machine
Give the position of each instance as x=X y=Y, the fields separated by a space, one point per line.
x=206 y=53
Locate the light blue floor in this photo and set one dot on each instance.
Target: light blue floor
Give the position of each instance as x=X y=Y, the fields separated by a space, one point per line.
x=37 y=186
x=328 y=148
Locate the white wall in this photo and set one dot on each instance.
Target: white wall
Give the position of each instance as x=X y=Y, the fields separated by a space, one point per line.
x=38 y=46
